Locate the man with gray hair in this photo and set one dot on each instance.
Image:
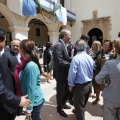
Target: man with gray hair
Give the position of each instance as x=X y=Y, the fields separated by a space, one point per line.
x=86 y=38
x=11 y=59
x=8 y=101
x=61 y=61
x=80 y=77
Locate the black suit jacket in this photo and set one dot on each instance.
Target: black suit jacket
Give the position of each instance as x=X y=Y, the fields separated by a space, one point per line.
x=61 y=61
x=11 y=60
x=6 y=49
x=7 y=78
x=69 y=48
x=7 y=98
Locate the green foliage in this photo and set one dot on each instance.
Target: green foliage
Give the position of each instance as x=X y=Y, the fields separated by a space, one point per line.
x=44 y=10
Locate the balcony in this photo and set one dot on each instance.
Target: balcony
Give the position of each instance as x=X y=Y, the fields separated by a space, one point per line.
x=71 y=16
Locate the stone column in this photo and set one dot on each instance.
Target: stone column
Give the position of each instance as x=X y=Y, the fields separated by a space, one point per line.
x=54 y=36
x=19 y=32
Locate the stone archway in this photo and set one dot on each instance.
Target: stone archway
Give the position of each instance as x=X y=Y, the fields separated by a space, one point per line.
x=38 y=32
x=52 y=26
x=103 y=23
x=48 y=23
x=8 y=14
x=95 y=34
x=8 y=19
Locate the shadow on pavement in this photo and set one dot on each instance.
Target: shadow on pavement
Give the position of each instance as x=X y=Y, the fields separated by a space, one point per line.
x=94 y=110
x=49 y=111
x=54 y=88
x=53 y=99
x=42 y=80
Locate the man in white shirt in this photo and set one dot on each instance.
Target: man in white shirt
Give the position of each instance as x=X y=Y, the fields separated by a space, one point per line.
x=11 y=59
x=8 y=101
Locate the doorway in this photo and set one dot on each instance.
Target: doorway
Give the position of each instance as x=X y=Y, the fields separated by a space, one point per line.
x=38 y=32
x=95 y=34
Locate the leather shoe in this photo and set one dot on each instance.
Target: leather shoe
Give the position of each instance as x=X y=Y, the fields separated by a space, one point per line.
x=95 y=102
x=62 y=113
x=66 y=107
x=74 y=111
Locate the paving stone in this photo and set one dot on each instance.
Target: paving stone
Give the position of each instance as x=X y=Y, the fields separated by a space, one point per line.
x=93 y=112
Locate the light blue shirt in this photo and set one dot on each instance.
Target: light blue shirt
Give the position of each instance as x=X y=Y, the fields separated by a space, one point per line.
x=81 y=69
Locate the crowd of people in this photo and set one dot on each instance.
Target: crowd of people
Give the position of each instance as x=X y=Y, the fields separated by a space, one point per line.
x=76 y=68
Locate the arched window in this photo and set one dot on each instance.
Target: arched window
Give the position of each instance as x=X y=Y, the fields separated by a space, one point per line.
x=62 y=2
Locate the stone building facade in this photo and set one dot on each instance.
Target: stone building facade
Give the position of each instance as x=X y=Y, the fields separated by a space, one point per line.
x=97 y=18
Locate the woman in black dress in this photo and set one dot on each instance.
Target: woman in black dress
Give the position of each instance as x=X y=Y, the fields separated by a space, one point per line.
x=47 y=60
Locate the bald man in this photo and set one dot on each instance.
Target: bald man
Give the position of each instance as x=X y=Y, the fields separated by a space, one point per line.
x=8 y=101
x=12 y=57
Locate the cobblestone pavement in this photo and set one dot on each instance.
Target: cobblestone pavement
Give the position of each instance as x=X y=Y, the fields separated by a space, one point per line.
x=93 y=112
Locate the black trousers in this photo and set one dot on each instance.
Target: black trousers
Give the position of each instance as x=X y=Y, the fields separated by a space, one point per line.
x=62 y=93
x=5 y=115
x=81 y=93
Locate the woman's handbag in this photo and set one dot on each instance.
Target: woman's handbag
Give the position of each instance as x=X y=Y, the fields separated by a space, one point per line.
x=106 y=80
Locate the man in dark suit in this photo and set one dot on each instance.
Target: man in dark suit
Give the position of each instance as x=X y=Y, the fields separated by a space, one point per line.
x=11 y=59
x=11 y=101
x=86 y=38
x=8 y=101
x=70 y=47
x=61 y=62
x=3 y=49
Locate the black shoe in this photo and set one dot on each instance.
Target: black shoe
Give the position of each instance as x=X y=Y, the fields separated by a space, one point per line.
x=66 y=107
x=74 y=111
x=62 y=113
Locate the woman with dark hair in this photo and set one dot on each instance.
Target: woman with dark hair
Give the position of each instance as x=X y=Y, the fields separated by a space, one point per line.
x=47 y=59
x=30 y=79
x=106 y=54
x=118 y=36
x=111 y=92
